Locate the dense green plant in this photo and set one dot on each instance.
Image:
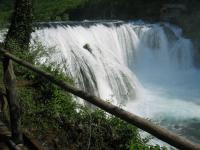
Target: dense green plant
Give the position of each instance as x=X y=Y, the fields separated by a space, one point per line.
x=75 y=126
x=78 y=129
x=47 y=109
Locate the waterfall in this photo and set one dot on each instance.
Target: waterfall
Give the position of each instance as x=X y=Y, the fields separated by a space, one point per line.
x=108 y=68
x=103 y=70
x=148 y=68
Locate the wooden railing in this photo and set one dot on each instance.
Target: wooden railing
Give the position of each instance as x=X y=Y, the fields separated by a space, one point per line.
x=159 y=132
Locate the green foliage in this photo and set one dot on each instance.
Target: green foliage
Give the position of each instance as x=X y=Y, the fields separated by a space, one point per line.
x=54 y=10
x=75 y=125
x=45 y=10
x=47 y=108
x=21 y=25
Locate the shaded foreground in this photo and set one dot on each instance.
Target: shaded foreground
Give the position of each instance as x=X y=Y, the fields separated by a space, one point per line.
x=157 y=131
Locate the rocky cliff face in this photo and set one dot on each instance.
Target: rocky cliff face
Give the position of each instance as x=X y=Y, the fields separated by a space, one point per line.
x=189 y=20
x=194 y=35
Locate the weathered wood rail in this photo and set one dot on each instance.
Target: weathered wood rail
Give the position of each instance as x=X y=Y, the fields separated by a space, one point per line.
x=161 y=133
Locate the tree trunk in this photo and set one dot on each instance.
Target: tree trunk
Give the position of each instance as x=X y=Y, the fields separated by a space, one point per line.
x=21 y=26
x=18 y=38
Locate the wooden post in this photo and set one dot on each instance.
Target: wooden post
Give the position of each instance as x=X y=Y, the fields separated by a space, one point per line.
x=10 y=86
x=19 y=32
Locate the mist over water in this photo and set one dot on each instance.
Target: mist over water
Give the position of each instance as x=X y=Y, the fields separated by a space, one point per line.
x=146 y=67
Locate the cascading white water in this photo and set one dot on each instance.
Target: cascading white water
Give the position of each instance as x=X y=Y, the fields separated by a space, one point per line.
x=103 y=71
x=2 y=34
x=164 y=66
x=147 y=67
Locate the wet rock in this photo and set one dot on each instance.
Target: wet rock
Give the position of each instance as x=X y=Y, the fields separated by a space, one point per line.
x=87 y=47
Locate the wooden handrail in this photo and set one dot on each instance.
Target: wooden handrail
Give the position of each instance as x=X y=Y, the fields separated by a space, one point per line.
x=159 y=132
